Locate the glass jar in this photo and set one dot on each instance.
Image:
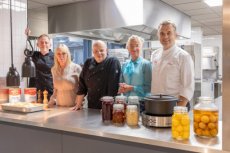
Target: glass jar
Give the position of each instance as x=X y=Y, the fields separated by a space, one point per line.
x=180 y=123
x=132 y=116
x=121 y=100
x=107 y=108
x=134 y=100
x=118 y=114
x=205 y=118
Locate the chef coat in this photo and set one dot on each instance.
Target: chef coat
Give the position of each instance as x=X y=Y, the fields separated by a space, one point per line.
x=43 y=80
x=65 y=85
x=99 y=79
x=172 y=73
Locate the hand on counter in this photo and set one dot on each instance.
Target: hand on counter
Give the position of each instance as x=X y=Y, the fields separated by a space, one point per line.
x=79 y=103
x=77 y=107
x=51 y=104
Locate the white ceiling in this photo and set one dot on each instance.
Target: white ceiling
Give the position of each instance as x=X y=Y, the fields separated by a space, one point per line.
x=208 y=18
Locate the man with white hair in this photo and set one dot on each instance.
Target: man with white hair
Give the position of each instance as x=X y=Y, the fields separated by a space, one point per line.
x=99 y=77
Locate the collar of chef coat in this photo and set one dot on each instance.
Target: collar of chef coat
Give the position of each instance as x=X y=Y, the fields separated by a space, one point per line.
x=95 y=63
x=168 y=51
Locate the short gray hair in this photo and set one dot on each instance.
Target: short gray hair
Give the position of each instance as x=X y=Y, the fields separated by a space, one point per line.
x=167 y=22
x=43 y=35
x=134 y=37
x=97 y=42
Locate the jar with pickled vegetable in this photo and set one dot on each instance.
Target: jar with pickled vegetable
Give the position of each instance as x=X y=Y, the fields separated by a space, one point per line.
x=107 y=108
x=118 y=114
x=180 y=123
x=132 y=117
x=134 y=100
x=121 y=100
x=205 y=118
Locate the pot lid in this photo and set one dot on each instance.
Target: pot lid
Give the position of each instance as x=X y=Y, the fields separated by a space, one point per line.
x=161 y=97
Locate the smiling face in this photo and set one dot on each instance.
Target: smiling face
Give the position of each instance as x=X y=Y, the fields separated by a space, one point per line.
x=167 y=35
x=44 y=44
x=134 y=47
x=61 y=57
x=99 y=51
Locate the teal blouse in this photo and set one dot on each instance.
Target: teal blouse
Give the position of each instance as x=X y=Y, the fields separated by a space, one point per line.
x=138 y=74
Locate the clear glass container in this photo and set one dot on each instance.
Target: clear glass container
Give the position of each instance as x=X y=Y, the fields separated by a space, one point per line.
x=107 y=108
x=134 y=100
x=132 y=116
x=205 y=118
x=121 y=100
x=118 y=114
x=180 y=123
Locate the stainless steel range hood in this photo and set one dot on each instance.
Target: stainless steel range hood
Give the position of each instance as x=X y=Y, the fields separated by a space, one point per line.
x=115 y=20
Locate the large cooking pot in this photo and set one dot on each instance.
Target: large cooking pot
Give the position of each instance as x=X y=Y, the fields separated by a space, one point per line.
x=160 y=105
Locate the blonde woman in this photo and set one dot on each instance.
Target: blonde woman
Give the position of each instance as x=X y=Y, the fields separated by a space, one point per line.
x=65 y=78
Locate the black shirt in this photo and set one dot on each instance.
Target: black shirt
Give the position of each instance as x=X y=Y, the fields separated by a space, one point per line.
x=99 y=79
x=43 y=80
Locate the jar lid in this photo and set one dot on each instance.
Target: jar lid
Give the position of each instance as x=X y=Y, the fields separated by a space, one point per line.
x=206 y=103
x=160 y=97
x=121 y=98
x=133 y=99
x=180 y=109
x=107 y=98
x=132 y=107
x=205 y=99
x=118 y=106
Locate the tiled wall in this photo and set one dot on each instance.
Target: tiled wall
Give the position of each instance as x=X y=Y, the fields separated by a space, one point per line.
x=19 y=16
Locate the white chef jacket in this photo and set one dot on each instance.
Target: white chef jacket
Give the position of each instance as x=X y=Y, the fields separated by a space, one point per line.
x=172 y=72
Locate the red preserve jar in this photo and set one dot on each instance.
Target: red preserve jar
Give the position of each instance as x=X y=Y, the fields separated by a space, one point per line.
x=107 y=108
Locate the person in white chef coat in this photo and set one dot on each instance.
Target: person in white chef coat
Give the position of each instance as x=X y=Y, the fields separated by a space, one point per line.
x=173 y=67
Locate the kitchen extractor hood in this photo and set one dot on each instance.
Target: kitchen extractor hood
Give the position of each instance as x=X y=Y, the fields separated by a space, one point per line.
x=115 y=20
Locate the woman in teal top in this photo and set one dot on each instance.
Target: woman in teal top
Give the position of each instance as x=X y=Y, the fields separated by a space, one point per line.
x=137 y=72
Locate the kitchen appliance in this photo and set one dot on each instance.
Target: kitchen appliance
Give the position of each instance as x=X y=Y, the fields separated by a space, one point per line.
x=117 y=22
x=158 y=110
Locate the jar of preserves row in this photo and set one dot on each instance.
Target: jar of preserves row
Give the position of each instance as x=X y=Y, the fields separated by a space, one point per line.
x=180 y=123
x=118 y=111
x=205 y=118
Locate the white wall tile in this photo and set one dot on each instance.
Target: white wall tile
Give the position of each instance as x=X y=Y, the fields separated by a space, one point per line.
x=19 y=38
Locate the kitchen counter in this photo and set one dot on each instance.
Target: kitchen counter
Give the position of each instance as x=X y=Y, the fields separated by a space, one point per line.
x=87 y=124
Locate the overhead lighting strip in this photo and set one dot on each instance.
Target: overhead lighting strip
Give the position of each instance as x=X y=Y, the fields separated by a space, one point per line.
x=213 y=3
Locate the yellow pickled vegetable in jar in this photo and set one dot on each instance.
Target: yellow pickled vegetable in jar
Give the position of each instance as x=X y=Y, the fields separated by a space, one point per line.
x=207 y=125
x=180 y=123
x=205 y=118
x=132 y=116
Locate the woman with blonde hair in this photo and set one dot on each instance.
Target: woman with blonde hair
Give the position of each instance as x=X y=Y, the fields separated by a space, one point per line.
x=65 y=78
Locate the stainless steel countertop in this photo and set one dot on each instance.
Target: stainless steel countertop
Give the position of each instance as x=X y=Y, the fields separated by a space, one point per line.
x=88 y=121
